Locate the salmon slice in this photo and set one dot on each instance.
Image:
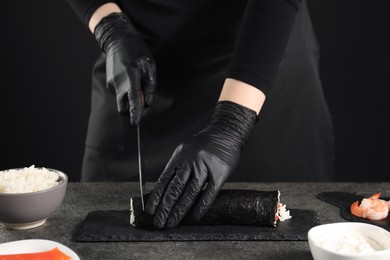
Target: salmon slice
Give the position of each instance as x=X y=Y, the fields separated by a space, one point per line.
x=53 y=254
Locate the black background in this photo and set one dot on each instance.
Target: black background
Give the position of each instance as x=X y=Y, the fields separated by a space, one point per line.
x=47 y=56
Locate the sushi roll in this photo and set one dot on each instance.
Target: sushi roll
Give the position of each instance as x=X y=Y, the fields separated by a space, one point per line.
x=231 y=207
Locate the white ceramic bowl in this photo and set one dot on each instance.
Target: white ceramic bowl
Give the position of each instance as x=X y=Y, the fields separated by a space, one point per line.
x=326 y=240
x=31 y=209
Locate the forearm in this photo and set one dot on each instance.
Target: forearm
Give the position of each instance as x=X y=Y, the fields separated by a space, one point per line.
x=242 y=93
x=101 y=12
x=259 y=49
x=262 y=40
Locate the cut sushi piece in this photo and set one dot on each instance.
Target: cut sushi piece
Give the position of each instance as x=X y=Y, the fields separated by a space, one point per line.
x=231 y=207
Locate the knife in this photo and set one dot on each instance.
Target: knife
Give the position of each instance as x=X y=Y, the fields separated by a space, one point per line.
x=140 y=165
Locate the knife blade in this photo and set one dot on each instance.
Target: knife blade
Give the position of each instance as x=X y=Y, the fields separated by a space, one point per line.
x=140 y=165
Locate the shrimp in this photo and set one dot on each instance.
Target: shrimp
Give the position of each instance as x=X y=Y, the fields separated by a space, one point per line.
x=371 y=208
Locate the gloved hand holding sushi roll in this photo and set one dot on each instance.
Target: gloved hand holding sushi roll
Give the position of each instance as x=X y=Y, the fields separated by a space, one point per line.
x=204 y=161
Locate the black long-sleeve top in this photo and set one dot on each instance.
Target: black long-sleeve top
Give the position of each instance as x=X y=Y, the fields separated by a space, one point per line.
x=257 y=51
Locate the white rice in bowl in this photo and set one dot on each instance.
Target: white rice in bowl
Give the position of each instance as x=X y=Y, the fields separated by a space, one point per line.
x=28 y=179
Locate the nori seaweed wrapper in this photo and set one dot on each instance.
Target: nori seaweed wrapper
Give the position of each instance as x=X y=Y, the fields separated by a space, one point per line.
x=231 y=207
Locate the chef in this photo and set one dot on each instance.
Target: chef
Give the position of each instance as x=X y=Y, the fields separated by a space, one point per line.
x=222 y=90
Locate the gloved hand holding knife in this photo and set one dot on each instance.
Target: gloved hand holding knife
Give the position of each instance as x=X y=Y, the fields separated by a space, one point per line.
x=130 y=71
x=130 y=67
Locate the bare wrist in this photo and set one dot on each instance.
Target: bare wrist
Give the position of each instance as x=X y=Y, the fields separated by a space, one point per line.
x=242 y=93
x=101 y=12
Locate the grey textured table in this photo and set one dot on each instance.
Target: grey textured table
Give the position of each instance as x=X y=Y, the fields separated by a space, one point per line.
x=84 y=197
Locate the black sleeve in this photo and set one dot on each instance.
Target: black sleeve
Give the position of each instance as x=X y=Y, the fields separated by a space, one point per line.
x=85 y=8
x=263 y=38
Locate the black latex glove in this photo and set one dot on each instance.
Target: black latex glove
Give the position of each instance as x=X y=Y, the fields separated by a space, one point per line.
x=209 y=157
x=130 y=68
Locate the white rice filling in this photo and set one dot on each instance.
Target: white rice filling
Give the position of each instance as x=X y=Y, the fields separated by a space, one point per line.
x=282 y=214
x=28 y=179
x=132 y=216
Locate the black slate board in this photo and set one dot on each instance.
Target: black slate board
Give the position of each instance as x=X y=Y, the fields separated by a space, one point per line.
x=343 y=200
x=113 y=226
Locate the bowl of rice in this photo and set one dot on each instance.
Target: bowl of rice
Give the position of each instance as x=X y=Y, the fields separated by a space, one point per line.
x=30 y=195
x=349 y=241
